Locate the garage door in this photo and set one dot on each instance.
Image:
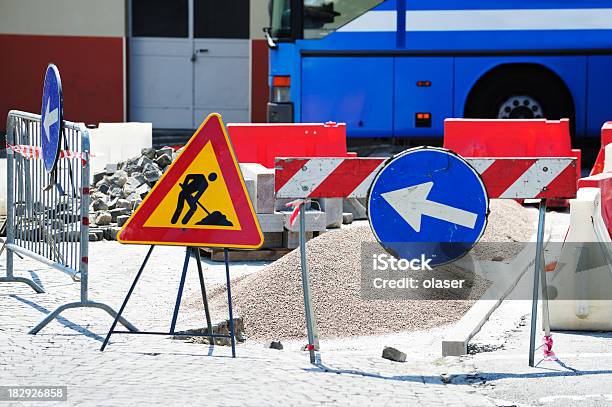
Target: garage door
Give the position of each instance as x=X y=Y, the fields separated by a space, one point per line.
x=188 y=58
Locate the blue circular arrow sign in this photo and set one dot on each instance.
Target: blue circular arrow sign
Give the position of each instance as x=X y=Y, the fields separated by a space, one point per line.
x=428 y=202
x=52 y=112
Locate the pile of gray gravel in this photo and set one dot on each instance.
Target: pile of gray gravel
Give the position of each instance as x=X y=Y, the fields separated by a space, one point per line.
x=271 y=300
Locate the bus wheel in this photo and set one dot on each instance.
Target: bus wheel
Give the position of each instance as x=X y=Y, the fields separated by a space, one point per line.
x=521 y=107
x=520 y=92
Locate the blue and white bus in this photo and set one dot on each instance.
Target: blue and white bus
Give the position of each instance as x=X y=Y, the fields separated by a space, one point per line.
x=398 y=68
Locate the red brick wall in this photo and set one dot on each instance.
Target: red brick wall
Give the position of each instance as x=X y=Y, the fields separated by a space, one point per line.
x=259 y=80
x=91 y=69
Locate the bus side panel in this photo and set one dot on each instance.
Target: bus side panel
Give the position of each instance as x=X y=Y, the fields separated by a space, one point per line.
x=571 y=70
x=411 y=99
x=599 y=93
x=354 y=90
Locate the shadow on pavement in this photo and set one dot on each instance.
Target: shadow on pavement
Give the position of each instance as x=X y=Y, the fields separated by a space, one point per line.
x=66 y=322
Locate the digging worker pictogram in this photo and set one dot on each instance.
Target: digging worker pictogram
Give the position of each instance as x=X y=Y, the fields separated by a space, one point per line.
x=192 y=189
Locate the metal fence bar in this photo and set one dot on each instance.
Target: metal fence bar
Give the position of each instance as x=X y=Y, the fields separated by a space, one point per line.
x=48 y=217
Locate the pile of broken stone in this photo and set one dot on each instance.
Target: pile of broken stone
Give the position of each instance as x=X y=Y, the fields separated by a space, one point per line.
x=118 y=190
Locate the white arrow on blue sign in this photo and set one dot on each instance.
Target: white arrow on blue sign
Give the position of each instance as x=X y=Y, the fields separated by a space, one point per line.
x=51 y=117
x=428 y=202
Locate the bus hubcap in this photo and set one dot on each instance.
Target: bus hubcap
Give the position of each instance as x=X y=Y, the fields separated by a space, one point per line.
x=520 y=107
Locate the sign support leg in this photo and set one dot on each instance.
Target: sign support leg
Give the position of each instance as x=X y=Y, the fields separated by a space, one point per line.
x=545 y=314
x=179 y=295
x=204 y=296
x=536 y=278
x=229 y=302
x=127 y=298
x=306 y=286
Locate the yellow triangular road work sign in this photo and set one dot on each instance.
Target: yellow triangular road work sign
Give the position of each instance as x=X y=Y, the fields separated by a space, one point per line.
x=201 y=200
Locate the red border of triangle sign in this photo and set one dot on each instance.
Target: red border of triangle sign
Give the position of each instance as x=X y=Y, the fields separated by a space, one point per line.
x=248 y=236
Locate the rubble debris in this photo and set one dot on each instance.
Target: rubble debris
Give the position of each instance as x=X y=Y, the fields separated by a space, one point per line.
x=393 y=354
x=118 y=190
x=274 y=345
x=219 y=328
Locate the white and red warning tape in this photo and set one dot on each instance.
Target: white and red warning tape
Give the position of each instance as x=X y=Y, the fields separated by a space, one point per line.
x=35 y=152
x=509 y=178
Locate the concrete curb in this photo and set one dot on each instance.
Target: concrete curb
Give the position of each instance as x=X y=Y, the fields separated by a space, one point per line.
x=455 y=343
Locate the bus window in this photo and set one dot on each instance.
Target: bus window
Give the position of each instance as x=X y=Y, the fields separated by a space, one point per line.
x=280 y=18
x=322 y=17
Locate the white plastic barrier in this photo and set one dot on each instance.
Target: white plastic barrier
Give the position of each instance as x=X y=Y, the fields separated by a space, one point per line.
x=114 y=142
x=583 y=275
x=608 y=158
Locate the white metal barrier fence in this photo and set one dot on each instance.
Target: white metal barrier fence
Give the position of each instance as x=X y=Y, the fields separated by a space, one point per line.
x=48 y=218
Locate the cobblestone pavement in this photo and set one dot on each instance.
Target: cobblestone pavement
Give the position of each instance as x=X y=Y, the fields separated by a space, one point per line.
x=139 y=369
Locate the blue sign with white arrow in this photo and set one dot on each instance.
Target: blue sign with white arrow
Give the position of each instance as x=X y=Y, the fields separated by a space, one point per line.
x=428 y=202
x=51 y=117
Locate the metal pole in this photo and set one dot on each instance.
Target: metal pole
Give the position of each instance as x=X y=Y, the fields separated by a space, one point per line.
x=229 y=302
x=536 y=278
x=204 y=296
x=127 y=298
x=306 y=285
x=179 y=295
x=10 y=195
x=84 y=230
x=545 y=313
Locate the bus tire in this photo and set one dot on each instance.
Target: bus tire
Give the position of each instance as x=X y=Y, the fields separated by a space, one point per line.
x=520 y=92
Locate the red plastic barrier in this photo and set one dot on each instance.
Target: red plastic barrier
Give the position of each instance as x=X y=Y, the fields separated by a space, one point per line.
x=606 y=138
x=263 y=142
x=606 y=202
x=510 y=138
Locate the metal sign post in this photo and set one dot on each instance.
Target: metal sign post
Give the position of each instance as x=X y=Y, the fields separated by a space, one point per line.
x=539 y=275
x=310 y=322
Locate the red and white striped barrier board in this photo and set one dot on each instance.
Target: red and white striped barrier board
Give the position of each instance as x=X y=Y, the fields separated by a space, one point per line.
x=506 y=178
x=325 y=177
x=34 y=152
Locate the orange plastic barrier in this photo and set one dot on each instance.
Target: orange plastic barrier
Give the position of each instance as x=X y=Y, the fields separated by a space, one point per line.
x=263 y=142
x=606 y=138
x=510 y=138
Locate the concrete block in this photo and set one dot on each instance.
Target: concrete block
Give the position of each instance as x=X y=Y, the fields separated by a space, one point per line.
x=274 y=345
x=356 y=207
x=333 y=211
x=110 y=233
x=252 y=190
x=121 y=219
x=291 y=240
x=115 y=213
x=264 y=185
x=116 y=142
x=271 y=222
x=347 y=218
x=393 y=354
x=316 y=221
x=272 y=240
